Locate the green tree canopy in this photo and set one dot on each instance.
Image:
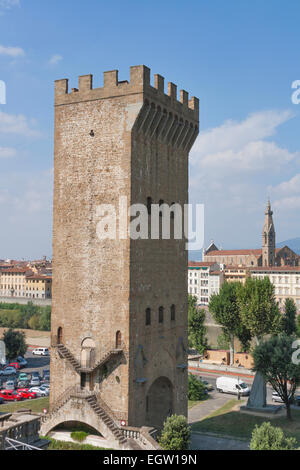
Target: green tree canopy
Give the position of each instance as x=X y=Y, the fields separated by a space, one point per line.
x=176 y=434
x=273 y=359
x=196 y=388
x=196 y=328
x=267 y=437
x=15 y=344
x=289 y=318
x=258 y=308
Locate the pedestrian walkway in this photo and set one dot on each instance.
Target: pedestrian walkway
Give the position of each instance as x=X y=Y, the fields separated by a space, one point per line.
x=205 y=408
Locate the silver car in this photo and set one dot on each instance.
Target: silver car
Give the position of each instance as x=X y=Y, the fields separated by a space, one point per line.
x=35 y=382
x=39 y=391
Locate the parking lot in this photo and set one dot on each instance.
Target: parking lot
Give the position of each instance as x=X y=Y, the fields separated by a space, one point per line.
x=35 y=364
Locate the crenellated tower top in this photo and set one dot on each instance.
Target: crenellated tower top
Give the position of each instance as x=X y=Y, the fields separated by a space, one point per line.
x=139 y=84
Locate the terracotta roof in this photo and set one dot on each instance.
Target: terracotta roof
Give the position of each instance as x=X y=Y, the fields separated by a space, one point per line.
x=276 y=268
x=14 y=270
x=254 y=252
x=200 y=264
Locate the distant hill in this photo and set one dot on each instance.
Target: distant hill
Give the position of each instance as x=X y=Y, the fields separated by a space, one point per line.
x=293 y=244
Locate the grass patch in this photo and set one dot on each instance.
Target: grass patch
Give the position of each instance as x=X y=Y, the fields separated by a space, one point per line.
x=229 y=422
x=36 y=406
x=79 y=436
x=60 y=445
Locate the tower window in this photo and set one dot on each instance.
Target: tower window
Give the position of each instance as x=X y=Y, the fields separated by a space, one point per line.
x=148 y=316
x=173 y=313
x=161 y=315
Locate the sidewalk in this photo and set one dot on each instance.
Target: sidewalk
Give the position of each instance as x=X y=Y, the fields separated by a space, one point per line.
x=223 y=370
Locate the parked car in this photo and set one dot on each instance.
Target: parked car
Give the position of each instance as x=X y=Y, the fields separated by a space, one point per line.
x=45 y=389
x=11 y=384
x=1 y=401
x=22 y=362
x=39 y=392
x=41 y=352
x=8 y=371
x=232 y=386
x=23 y=384
x=209 y=387
x=10 y=396
x=16 y=365
x=25 y=393
x=276 y=398
x=46 y=376
x=23 y=376
x=35 y=382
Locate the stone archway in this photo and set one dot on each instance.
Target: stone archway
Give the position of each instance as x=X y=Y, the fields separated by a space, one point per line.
x=159 y=402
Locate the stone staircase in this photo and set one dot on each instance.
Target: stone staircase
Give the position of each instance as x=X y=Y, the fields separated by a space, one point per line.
x=65 y=353
x=103 y=360
x=69 y=356
x=103 y=415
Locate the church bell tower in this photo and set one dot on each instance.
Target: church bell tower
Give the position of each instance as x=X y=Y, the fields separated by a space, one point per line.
x=269 y=238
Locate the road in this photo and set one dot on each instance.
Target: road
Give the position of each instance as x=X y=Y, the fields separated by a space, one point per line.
x=211 y=377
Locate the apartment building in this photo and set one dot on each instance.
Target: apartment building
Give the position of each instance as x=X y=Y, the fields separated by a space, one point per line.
x=286 y=280
x=204 y=280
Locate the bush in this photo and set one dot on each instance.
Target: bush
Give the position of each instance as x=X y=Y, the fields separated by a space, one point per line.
x=267 y=437
x=176 y=434
x=79 y=436
x=196 y=388
x=15 y=344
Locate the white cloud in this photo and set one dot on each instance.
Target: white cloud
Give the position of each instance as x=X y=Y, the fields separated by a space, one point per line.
x=232 y=169
x=8 y=4
x=17 y=124
x=55 y=59
x=6 y=152
x=241 y=146
x=11 y=51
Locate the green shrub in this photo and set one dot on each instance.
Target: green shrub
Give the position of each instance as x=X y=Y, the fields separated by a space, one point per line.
x=267 y=437
x=79 y=436
x=176 y=434
x=196 y=388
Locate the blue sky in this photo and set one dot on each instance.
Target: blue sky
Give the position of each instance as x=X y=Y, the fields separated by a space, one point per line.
x=239 y=57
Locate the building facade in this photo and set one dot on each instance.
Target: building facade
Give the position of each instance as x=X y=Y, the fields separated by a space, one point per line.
x=22 y=283
x=119 y=309
x=286 y=280
x=204 y=280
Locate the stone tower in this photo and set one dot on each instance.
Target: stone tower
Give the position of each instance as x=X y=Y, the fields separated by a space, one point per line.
x=269 y=239
x=119 y=311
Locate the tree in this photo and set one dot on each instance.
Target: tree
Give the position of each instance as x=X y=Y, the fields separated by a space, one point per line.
x=225 y=309
x=34 y=322
x=289 y=318
x=273 y=359
x=196 y=328
x=45 y=320
x=15 y=344
x=176 y=434
x=196 y=388
x=258 y=308
x=267 y=437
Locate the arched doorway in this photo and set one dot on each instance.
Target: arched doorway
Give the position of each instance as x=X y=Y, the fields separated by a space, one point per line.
x=118 y=340
x=159 y=402
x=60 y=335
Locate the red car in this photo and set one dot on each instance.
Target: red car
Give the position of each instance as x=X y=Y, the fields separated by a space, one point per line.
x=24 y=393
x=10 y=395
x=16 y=365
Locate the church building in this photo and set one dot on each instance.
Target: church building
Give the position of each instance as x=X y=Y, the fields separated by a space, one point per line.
x=267 y=256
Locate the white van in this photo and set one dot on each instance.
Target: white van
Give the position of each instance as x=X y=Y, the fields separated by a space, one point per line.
x=232 y=385
x=41 y=352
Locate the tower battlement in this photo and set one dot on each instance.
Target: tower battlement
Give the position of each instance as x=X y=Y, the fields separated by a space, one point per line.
x=140 y=76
